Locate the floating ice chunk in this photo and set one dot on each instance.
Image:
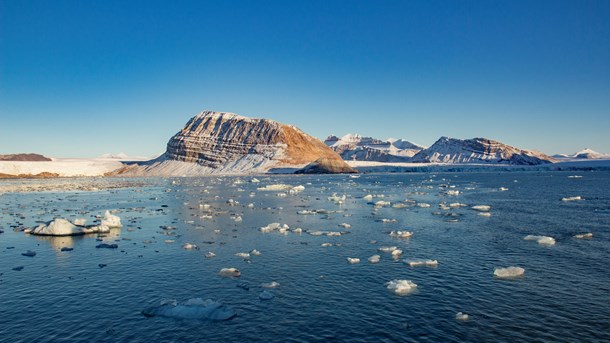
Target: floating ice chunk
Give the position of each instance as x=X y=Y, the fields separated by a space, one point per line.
x=237 y=219
x=276 y=187
x=575 y=177
x=509 y=272
x=401 y=287
x=298 y=230
x=111 y=220
x=576 y=198
x=250 y=205
x=229 y=272
x=266 y=295
x=368 y=197
x=396 y=253
x=543 y=240
x=353 y=260
x=422 y=205
x=296 y=189
x=80 y=221
x=587 y=235
x=209 y=254
x=462 y=316
x=382 y=203
x=401 y=234
x=484 y=214
x=306 y=212
x=327 y=245
x=421 y=263
x=169 y=241
x=452 y=192
x=29 y=253
x=272 y=284
x=57 y=227
x=254 y=180
x=387 y=248
x=345 y=225
x=386 y=220
x=281 y=195
x=457 y=205
x=96 y=229
x=189 y=246
x=255 y=252
x=399 y=205
x=503 y=189
x=244 y=255
x=374 y=259
x=270 y=227
x=337 y=199
x=195 y=308
x=481 y=208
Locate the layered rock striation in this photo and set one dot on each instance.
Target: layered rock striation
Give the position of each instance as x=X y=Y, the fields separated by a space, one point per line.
x=227 y=143
x=353 y=147
x=478 y=150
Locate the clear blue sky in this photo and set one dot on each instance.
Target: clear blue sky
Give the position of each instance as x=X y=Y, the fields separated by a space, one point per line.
x=83 y=78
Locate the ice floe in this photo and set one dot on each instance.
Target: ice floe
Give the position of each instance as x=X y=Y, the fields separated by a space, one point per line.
x=401 y=234
x=481 y=208
x=509 y=272
x=587 y=235
x=462 y=316
x=272 y=284
x=229 y=272
x=401 y=287
x=353 y=260
x=388 y=249
x=575 y=198
x=195 y=308
x=374 y=259
x=542 y=240
x=189 y=246
x=111 y=221
x=421 y=263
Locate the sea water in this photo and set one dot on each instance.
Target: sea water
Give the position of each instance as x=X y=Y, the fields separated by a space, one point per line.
x=91 y=294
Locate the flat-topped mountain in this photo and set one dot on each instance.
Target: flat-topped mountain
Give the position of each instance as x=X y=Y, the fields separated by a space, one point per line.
x=478 y=150
x=24 y=157
x=353 y=147
x=227 y=143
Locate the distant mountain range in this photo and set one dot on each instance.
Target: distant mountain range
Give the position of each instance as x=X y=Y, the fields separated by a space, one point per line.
x=353 y=147
x=24 y=157
x=584 y=154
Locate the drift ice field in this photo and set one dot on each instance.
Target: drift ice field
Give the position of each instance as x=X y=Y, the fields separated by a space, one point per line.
x=410 y=257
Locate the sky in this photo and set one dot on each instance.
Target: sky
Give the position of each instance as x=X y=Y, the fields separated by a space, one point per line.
x=84 y=78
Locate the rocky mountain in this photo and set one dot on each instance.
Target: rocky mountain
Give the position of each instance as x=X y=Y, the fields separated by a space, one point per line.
x=585 y=154
x=478 y=150
x=353 y=147
x=24 y=157
x=227 y=143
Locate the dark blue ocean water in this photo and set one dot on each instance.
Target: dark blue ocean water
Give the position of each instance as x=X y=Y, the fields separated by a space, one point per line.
x=564 y=295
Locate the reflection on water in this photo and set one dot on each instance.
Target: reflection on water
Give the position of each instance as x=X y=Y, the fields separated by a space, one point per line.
x=94 y=294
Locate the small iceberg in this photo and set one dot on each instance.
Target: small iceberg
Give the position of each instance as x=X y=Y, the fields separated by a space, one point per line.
x=462 y=316
x=374 y=259
x=276 y=187
x=421 y=263
x=272 y=284
x=387 y=248
x=401 y=234
x=509 y=272
x=401 y=287
x=353 y=260
x=576 y=198
x=481 y=208
x=243 y=255
x=195 y=308
x=229 y=272
x=111 y=221
x=587 y=235
x=189 y=246
x=542 y=240
x=29 y=253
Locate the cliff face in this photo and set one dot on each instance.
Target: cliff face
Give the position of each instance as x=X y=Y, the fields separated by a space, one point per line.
x=478 y=150
x=226 y=143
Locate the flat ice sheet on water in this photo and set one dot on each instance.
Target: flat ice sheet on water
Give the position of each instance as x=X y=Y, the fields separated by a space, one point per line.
x=542 y=240
x=195 y=308
x=509 y=272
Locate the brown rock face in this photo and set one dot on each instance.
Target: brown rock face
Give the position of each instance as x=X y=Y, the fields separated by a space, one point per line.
x=226 y=143
x=24 y=157
x=326 y=165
